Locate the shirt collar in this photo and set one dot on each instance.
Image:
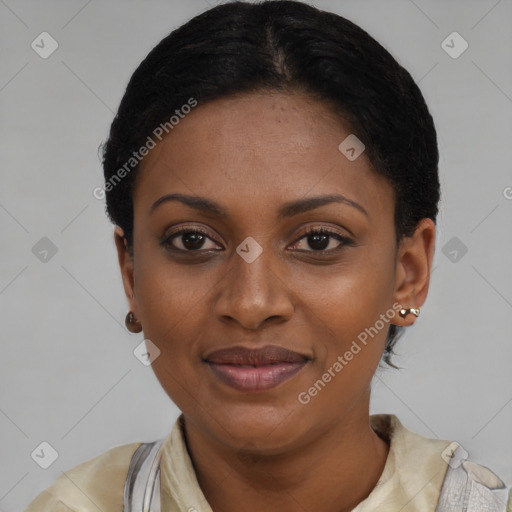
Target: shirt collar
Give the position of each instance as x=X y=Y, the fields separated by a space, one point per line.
x=410 y=482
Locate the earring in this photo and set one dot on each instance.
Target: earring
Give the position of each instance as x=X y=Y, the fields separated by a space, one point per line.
x=132 y=324
x=404 y=312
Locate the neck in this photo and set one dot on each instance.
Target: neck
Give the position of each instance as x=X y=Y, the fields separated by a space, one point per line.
x=335 y=471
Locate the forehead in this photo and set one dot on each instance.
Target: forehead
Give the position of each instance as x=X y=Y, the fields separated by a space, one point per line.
x=258 y=149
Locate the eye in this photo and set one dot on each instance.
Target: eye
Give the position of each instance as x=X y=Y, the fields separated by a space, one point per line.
x=319 y=239
x=194 y=239
x=190 y=240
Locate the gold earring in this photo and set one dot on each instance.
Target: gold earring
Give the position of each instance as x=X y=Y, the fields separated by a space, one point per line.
x=404 y=312
x=132 y=324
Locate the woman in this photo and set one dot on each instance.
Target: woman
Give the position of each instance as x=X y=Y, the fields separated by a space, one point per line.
x=272 y=175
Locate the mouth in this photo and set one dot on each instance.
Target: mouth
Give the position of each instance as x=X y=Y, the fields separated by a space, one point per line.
x=255 y=369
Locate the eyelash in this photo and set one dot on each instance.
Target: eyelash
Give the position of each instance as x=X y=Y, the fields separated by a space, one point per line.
x=344 y=241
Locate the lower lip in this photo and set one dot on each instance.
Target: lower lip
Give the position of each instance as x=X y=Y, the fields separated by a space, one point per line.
x=255 y=378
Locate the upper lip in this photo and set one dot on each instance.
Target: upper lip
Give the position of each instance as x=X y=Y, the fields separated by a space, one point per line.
x=255 y=356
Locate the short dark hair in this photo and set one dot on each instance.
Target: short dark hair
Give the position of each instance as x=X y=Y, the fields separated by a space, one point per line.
x=283 y=45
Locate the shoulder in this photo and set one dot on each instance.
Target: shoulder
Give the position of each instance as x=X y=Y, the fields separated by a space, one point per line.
x=451 y=477
x=96 y=484
x=473 y=486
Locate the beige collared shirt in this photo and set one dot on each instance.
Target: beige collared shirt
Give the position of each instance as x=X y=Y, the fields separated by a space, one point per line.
x=410 y=482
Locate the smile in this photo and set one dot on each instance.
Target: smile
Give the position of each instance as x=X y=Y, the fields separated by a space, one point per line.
x=251 y=369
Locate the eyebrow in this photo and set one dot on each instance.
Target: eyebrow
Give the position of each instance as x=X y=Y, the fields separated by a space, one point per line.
x=288 y=209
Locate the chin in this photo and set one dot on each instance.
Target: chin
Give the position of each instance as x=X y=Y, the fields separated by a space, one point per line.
x=267 y=428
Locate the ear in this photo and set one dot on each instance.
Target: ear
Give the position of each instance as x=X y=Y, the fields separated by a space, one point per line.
x=126 y=266
x=413 y=268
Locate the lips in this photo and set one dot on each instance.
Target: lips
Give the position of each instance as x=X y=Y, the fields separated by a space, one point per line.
x=270 y=354
x=255 y=369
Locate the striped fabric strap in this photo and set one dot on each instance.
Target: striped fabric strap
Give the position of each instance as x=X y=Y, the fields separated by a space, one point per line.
x=470 y=487
x=142 y=486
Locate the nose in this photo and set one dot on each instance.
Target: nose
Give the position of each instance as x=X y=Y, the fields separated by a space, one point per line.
x=254 y=293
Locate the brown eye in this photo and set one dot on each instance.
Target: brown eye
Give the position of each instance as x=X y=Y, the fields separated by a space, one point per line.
x=318 y=240
x=191 y=240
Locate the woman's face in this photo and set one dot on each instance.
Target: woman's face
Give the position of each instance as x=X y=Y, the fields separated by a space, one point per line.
x=253 y=277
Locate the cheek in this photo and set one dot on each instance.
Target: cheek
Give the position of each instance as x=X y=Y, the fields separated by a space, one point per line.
x=350 y=310
x=169 y=294
x=172 y=310
x=351 y=296
x=350 y=335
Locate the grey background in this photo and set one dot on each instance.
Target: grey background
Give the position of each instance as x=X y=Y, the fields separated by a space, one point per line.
x=68 y=373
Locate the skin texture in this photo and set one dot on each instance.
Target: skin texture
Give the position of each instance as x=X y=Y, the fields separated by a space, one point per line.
x=252 y=153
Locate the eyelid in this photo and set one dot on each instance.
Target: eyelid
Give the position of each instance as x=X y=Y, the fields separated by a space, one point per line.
x=322 y=228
